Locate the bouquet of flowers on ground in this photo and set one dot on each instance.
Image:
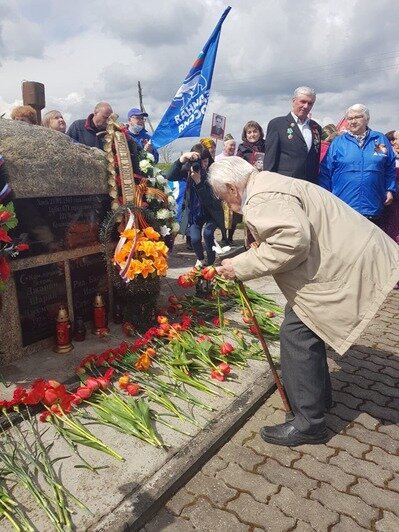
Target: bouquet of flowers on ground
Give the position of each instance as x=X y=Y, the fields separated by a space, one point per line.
x=8 y=246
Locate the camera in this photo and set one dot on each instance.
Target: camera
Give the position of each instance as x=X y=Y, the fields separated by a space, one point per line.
x=195 y=166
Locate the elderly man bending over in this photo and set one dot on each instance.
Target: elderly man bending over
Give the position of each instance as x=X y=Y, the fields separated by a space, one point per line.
x=334 y=267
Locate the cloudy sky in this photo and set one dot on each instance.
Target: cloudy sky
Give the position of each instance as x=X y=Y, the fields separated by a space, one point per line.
x=92 y=50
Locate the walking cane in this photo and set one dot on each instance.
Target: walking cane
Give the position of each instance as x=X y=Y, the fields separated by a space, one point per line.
x=262 y=340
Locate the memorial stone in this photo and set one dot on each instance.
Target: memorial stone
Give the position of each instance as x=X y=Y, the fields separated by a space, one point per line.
x=61 y=198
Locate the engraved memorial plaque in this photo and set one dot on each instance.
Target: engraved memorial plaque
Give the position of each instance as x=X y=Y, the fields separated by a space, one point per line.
x=40 y=291
x=60 y=223
x=88 y=276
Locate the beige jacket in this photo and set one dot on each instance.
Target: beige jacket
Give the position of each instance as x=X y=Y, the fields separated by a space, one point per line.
x=334 y=267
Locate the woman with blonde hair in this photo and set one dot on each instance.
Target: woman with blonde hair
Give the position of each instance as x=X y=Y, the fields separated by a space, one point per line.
x=54 y=120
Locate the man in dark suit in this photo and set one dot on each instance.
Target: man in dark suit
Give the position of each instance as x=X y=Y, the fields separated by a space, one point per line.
x=292 y=144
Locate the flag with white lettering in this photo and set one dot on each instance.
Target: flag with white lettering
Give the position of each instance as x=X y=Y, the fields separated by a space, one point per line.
x=186 y=112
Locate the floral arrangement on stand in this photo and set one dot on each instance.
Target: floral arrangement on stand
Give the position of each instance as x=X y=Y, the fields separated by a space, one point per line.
x=8 y=247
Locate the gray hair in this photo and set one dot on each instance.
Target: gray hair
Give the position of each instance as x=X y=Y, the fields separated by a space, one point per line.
x=304 y=90
x=229 y=171
x=100 y=106
x=359 y=108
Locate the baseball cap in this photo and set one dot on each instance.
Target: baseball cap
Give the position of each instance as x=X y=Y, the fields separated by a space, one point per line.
x=134 y=111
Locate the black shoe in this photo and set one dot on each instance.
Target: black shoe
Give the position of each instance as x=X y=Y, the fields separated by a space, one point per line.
x=286 y=434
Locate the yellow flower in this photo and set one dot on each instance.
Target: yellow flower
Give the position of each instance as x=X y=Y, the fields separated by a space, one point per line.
x=161 y=266
x=151 y=233
x=147 y=268
x=143 y=362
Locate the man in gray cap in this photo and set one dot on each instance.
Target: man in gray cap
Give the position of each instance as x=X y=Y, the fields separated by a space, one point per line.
x=136 y=120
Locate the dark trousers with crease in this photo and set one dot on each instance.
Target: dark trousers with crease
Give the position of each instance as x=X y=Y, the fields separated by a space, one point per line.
x=305 y=373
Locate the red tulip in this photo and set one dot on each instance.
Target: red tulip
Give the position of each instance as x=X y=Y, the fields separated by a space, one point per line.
x=22 y=246
x=84 y=392
x=5 y=216
x=226 y=348
x=92 y=383
x=217 y=375
x=133 y=389
x=224 y=368
x=209 y=273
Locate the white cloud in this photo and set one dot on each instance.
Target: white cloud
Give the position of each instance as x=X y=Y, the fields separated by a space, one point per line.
x=85 y=52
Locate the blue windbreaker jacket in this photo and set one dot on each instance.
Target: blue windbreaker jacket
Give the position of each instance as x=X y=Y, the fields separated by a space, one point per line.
x=360 y=177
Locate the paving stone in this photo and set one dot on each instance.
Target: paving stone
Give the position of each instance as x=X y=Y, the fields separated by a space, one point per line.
x=391 y=430
x=265 y=516
x=368 y=394
x=393 y=404
x=389 y=523
x=204 y=518
x=284 y=476
x=243 y=455
x=301 y=526
x=342 y=411
x=214 y=465
x=335 y=423
x=276 y=418
x=377 y=497
x=275 y=401
x=324 y=472
x=384 y=459
x=321 y=452
x=346 y=524
x=339 y=384
x=347 y=399
x=345 y=504
x=372 y=437
x=369 y=422
x=259 y=419
x=179 y=501
x=380 y=377
x=168 y=522
x=361 y=468
x=394 y=483
x=380 y=412
x=241 y=480
x=311 y=511
x=349 y=444
x=215 y=490
x=394 y=373
x=368 y=364
x=284 y=455
x=392 y=361
x=353 y=378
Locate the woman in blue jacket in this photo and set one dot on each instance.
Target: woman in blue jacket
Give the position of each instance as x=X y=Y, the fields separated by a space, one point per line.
x=359 y=166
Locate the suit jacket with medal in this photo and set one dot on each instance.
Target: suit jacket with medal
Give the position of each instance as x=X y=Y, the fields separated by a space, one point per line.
x=286 y=151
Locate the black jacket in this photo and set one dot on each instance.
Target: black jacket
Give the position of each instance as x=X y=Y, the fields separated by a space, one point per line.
x=286 y=151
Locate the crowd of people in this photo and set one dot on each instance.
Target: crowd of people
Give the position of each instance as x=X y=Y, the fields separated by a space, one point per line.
x=321 y=212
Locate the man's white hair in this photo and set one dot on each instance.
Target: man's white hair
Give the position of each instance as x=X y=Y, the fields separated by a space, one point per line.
x=358 y=108
x=304 y=90
x=229 y=171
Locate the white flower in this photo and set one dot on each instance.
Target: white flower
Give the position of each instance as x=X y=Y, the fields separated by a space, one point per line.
x=163 y=214
x=164 y=230
x=151 y=180
x=175 y=227
x=171 y=202
x=150 y=156
x=145 y=165
x=160 y=179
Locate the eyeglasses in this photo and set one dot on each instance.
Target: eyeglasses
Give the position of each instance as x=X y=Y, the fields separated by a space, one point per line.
x=138 y=117
x=351 y=118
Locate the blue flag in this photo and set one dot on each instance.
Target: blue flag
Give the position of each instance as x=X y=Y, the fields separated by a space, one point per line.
x=186 y=112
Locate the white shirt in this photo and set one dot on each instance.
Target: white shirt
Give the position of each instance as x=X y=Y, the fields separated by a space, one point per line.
x=305 y=130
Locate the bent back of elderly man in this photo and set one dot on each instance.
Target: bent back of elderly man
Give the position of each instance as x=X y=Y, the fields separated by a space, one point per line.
x=334 y=267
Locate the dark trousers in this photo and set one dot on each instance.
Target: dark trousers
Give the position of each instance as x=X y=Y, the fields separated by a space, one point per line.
x=195 y=233
x=304 y=372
